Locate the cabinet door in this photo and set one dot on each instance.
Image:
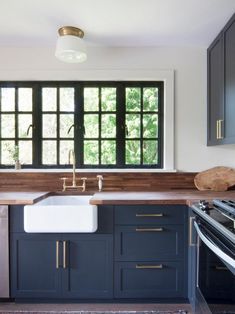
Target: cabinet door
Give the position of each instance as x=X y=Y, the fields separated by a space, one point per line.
x=159 y=279
x=148 y=243
x=88 y=266
x=229 y=76
x=215 y=114
x=34 y=272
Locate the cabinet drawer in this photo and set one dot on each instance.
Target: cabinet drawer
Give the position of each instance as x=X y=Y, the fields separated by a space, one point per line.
x=149 y=242
x=149 y=214
x=149 y=280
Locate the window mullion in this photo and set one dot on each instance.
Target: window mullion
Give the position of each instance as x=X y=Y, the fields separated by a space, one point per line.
x=120 y=140
x=37 y=126
x=79 y=125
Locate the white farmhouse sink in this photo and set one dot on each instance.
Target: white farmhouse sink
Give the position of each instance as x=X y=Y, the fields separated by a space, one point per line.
x=61 y=214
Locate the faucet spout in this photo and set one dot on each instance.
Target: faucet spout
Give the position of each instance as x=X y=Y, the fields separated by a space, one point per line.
x=72 y=157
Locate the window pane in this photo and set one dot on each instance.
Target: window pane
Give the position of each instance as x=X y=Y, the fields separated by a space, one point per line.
x=7 y=150
x=91 y=99
x=65 y=147
x=150 y=99
x=91 y=153
x=108 y=125
x=7 y=99
x=133 y=99
x=132 y=125
x=49 y=125
x=108 y=99
x=24 y=121
x=91 y=125
x=25 y=99
x=150 y=150
x=49 y=98
x=8 y=125
x=66 y=121
x=66 y=99
x=25 y=150
x=150 y=125
x=49 y=152
x=108 y=152
x=133 y=152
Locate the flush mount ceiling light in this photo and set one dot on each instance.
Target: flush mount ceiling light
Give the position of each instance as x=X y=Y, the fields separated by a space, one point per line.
x=70 y=46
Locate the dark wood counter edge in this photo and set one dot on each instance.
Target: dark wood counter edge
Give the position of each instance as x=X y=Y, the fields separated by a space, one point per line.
x=24 y=201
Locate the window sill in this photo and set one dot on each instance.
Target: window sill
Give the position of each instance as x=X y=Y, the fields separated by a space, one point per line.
x=88 y=170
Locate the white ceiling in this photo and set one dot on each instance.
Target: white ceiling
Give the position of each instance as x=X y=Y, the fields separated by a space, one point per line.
x=123 y=23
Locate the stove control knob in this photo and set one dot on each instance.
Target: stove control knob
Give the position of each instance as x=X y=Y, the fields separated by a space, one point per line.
x=204 y=205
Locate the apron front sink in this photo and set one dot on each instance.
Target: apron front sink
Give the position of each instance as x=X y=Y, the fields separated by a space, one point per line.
x=61 y=214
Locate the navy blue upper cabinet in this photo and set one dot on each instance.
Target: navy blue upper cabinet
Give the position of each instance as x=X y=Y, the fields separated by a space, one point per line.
x=221 y=87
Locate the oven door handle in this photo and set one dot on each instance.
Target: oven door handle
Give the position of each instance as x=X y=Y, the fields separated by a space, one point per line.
x=214 y=248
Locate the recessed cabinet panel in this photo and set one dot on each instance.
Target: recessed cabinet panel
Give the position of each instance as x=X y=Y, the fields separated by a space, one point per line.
x=88 y=269
x=229 y=77
x=148 y=242
x=149 y=214
x=221 y=87
x=149 y=280
x=215 y=92
x=33 y=266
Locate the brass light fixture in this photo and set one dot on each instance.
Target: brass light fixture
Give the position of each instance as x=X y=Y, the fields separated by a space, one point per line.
x=70 y=46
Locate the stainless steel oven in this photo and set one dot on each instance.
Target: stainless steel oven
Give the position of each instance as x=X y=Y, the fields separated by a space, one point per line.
x=215 y=265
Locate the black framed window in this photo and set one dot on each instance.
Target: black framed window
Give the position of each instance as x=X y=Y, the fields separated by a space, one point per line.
x=107 y=124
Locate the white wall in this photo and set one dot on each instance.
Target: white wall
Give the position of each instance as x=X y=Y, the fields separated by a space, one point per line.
x=191 y=152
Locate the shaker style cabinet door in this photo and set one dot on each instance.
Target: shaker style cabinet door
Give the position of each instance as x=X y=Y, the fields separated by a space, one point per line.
x=221 y=87
x=34 y=266
x=229 y=82
x=88 y=266
x=215 y=115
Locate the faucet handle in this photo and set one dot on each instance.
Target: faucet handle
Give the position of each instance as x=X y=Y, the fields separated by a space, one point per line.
x=64 y=183
x=84 y=183
x=100 y=183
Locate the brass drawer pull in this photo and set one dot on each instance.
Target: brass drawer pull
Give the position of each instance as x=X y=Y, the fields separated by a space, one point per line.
x=149 y=229
x=64 y=254
x=57 y=255
x=149 y=215
x=160 y=266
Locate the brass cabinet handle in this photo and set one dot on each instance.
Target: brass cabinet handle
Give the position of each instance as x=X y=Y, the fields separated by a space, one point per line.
x=64 y=254
x=149 y=229
x=219 y=135
x=191 y=220
x=57 y=254
x=160 y=266
x=149 y=215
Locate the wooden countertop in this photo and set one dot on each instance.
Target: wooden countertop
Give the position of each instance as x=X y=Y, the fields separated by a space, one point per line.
x=180 y=197
x=21 y=198
x=161 y=197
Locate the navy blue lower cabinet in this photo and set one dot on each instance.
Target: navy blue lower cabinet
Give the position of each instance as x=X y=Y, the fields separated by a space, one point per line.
x=157 y=279
x=34 y=262
x=149 y=243
x=87 y=270
x=50 y=266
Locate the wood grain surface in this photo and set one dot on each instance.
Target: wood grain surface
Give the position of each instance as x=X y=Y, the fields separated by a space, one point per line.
x=215 y=179
x=113 y=181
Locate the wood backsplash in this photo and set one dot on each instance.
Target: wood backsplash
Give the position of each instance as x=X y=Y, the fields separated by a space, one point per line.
x=113 y=181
